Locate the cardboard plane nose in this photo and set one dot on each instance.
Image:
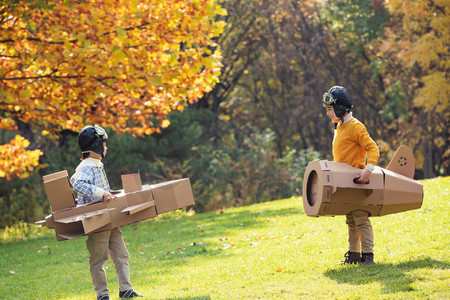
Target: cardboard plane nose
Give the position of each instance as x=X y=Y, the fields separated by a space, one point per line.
x=329 y=190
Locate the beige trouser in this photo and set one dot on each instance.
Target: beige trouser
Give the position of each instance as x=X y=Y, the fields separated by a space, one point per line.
x=360 y=233
x=100 y=245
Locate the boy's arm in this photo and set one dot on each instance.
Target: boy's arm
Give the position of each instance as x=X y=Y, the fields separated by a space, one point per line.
x=373 y=153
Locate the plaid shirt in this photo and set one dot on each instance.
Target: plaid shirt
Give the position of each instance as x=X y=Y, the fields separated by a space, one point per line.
x=89 y=179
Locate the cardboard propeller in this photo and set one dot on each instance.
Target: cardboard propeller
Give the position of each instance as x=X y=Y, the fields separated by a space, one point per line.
x=329 y=189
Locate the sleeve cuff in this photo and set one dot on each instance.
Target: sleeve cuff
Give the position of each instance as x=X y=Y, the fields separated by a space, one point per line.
x=370 y=167
x=99 y=192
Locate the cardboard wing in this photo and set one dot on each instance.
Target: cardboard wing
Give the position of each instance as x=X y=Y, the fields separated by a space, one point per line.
x=80 y=220
x=329 y=190
x=133 y=204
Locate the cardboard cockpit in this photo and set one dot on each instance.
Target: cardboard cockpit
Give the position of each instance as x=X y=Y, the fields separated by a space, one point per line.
x=136 y=202
x=329 y=190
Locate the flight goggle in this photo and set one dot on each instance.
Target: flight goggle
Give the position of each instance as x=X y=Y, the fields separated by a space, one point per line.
x=101 y=132
x=328 y=99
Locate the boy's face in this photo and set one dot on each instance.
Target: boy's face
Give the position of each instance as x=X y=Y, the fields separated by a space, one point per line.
x=331 y=114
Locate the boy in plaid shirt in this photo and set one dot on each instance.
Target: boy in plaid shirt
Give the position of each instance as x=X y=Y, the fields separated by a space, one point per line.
x=90 y=184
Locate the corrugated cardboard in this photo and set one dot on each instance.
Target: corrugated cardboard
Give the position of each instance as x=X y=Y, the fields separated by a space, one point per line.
x=80 y=220
x=131 y=182
x=59 y=191
x=329 y=190
x=401 y=194
x=403 y=162
x=133 y=204
x=172 y=195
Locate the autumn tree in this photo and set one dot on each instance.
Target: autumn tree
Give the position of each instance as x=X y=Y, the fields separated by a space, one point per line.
x=297 y=51
x=241 y=46
x=119 y=64
x=416 y=56
x=258 y=51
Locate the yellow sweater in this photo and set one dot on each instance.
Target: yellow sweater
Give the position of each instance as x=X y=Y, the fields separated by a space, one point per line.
x=352 y=144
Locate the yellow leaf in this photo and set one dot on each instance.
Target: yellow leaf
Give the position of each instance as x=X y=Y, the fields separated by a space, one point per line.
x=165 y=123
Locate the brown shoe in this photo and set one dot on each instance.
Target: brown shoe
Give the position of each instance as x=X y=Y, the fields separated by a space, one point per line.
x=351 y=258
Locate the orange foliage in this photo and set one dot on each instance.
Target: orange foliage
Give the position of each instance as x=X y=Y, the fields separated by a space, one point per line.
x=14 y=160
x=120 y=64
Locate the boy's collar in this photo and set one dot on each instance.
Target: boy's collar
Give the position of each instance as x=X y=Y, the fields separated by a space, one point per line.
x=96 y=161
x=347 y=118
x=90 y=162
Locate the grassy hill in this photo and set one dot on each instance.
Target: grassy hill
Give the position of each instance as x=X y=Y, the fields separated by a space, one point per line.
x=266 y=251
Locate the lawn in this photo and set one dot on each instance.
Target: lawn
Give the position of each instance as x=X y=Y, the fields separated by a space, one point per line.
x=269 y=250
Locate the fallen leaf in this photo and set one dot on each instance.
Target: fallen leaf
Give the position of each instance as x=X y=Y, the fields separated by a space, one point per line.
x=226 y=246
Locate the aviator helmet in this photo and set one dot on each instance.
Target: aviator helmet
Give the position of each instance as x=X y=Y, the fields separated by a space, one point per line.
x=91 y=138
x=339 y=98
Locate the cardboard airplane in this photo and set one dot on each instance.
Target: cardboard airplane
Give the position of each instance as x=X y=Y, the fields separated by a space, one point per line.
x=132 y=204
x=329 y=189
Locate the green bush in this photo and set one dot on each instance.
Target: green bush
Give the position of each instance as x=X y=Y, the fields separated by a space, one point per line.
x=22 y=200
x=235 y=176
x=23 y=231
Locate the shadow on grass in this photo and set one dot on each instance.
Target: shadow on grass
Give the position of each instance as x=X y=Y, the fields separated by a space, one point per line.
x=394 y=277
x=191 y=298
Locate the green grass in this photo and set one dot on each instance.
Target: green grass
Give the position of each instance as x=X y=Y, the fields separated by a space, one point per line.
x=265 y=251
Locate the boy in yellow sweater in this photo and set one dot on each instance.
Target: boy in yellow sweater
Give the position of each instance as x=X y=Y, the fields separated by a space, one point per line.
x=353 y=145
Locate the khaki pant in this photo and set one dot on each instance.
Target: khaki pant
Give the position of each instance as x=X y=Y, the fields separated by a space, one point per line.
x=360 y=233
x=100 y=245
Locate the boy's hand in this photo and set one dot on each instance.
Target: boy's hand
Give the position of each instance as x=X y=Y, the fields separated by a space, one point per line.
x=362 y=178
x=107 y=196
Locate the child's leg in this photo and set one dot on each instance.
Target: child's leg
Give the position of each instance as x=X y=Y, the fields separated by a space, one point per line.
x=97 y=244
x=365 y=227
x=354 y=235
x=120 y=256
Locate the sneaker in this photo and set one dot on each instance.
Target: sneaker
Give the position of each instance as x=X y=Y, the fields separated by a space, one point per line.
x=129 y=294
x=103 y=297
x=351 y=258
x=367 y=258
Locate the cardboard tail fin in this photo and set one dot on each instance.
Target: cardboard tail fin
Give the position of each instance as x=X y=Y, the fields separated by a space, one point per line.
x=403 y=162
